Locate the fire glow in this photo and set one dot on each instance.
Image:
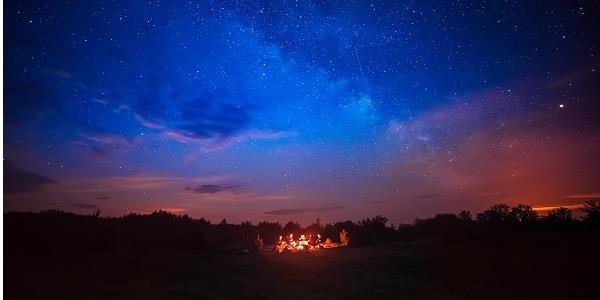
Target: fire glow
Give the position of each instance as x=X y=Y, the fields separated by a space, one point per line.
x=308 y=243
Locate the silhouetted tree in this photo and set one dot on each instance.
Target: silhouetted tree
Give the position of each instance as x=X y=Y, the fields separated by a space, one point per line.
x=498 y=214
x=269 y=231
x=525 y=214
x=371 y=231
x=591 y=208
x=248 y=232
x=376 y=224
x=292 y=227
x=465 y=215
x=444 y=225
x=560 y=216
x=315 y=228
x=55 y=230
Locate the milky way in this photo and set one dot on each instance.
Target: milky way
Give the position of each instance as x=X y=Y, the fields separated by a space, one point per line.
x=254 y=110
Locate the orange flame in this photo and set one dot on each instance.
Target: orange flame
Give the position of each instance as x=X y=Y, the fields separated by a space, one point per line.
x=310 y=243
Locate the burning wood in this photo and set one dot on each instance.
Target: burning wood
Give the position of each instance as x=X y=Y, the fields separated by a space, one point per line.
x=310 y=243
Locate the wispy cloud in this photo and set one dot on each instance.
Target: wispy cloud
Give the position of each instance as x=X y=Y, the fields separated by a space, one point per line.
x=20 y=181
x=57 y=72
x=212 y=145
x=122 y=108
x=377 y=202
x=215 y=114
x=213 y=121
x=428 y=196
x=99 y=101
x=109 y=139
x=263 y=196
x=149 y=123
x=135 y=182
x=27 y=101
x=488 y=194
x=574 y=77
x=84 y=205
x=584 y=196
x=211 y=188
x=296 y=211
x=144 y=182
x=102 y=144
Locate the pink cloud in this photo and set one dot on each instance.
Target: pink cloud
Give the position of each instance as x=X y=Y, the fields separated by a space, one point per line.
x=584 y=196
x=148 y=123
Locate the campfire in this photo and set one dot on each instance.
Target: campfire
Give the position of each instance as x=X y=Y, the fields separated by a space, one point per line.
x=308 y=243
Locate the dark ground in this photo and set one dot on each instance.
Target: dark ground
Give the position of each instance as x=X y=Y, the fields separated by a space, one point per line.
x=547 y=265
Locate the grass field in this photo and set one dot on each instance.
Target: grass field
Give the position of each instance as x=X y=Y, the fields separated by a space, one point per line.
x=550 y=266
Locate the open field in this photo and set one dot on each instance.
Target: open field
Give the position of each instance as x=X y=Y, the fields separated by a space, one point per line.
x=542 y=266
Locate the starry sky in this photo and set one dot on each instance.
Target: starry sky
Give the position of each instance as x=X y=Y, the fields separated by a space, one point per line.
x=279 y=110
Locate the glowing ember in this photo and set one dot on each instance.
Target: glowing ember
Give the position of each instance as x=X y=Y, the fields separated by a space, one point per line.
x=310 y=243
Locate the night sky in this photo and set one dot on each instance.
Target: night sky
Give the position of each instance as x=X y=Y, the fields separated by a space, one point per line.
x=253 y=110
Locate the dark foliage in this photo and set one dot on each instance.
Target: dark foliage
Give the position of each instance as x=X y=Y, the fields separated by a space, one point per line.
x=498 y=214
x=59 y=232
x=559 y=217
x=591 y=209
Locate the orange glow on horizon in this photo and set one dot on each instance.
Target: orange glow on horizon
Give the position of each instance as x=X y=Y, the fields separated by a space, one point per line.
x=549 y=208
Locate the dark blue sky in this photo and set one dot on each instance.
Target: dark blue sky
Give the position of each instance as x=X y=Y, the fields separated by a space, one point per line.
x=300 y=109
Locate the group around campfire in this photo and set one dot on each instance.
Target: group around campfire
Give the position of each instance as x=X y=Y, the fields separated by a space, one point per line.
x=308 y=243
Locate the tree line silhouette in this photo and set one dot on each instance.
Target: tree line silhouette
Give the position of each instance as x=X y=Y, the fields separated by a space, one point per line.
x=54 y=231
